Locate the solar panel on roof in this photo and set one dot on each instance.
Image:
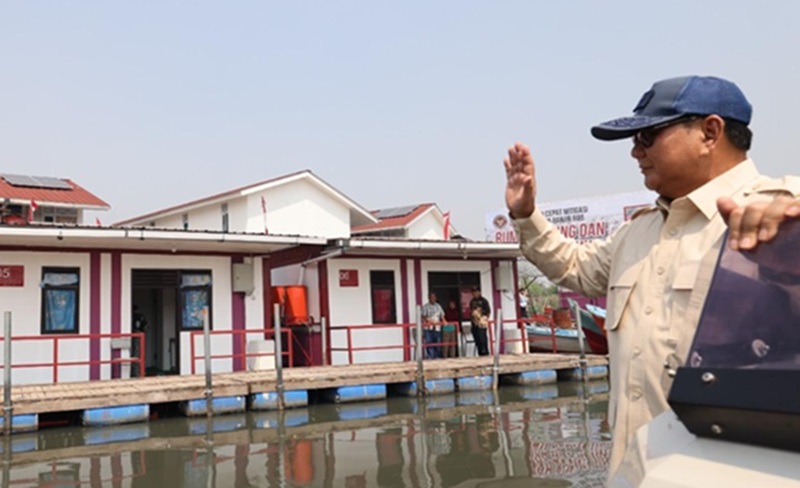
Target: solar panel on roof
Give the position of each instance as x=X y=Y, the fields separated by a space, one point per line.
x=36 y=182
x=388 y=213
x=50 y=182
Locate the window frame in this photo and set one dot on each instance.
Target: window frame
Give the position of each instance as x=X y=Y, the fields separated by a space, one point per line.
x=209 y=288
x=225 y=218
x=43 y=299
x=373 y=286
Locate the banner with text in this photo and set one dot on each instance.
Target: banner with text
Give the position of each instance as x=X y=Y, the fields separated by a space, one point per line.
x=582 y=219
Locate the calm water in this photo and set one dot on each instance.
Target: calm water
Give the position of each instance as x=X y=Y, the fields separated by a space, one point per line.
x=551 y=436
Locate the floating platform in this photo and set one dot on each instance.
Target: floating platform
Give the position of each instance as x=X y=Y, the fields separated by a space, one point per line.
x=269 y=400
x=441 y=386
x=540 y=377
x=359 y=393
x=21 y=423
x=113 y=402
x=474 y=383
x=104 y=416
x=576 y=374
x=219 y=406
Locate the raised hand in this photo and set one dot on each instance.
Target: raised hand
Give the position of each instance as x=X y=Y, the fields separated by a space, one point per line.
x=521 y=181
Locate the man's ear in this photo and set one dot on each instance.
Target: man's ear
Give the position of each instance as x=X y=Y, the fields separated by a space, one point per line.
x=713 y=129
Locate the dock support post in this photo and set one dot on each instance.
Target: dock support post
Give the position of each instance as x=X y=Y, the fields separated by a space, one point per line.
x=209 y=392
x=420 y=371
x=498 y=324
x=323 y=327
x=278 y=357
x=7 y=406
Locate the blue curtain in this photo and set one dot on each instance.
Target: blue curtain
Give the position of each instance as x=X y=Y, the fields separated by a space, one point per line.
x=194 y=301
x=60 y=310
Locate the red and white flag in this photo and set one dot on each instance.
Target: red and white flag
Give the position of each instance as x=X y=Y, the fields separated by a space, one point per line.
x=31 y=209
x=97 y=222
x=446 y=216
x=264 y=212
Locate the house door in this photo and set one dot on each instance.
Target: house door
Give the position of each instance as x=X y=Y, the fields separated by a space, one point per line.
x=155 y=293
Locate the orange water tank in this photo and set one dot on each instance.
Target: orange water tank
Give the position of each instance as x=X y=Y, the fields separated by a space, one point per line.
x=294 y=303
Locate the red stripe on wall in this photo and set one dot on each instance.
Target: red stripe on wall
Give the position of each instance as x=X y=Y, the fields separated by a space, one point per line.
x=94 y=313
x=404 y=288
x=116 y=305
x=238 y=323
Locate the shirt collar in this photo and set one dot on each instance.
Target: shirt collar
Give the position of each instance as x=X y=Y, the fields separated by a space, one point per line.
x=724 y=185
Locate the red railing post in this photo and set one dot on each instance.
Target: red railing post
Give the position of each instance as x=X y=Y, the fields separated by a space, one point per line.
x=141 y=358
x=290 y=340
x=490 y=335
x=55 y=359
x=349 y=346
x=243 y=351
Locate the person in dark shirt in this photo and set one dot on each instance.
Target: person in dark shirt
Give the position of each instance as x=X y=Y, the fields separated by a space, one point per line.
x=480 y=321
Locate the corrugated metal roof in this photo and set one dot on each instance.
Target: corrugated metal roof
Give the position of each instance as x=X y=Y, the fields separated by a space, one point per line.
x=76 y=195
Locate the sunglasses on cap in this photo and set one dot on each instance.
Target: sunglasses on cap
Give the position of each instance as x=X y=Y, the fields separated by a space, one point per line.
x=647 y=137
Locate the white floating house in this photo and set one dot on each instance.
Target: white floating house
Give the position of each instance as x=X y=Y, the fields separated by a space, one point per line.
x=71 y=288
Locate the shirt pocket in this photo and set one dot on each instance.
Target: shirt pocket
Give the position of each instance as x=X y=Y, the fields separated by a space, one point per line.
x=620 y=289
x=686 y=276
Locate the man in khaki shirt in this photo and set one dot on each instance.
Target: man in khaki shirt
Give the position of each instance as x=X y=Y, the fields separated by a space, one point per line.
x=690 y=138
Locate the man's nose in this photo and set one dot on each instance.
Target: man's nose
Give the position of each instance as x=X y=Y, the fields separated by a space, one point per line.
x=637 y=151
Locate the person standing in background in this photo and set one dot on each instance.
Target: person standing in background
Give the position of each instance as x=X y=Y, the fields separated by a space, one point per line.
x=452 y=320
x=480 y=321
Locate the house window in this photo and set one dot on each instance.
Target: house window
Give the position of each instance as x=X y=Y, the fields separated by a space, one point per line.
x=57 y=215
x=195 y=298
x=225 y=227
x=185 y=218
x=383 y=300
x=60 y=294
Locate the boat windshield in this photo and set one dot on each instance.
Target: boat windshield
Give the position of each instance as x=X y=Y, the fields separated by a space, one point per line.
x=751 y=318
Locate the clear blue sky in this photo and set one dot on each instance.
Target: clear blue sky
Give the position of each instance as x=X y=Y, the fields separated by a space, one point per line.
x=152 y=103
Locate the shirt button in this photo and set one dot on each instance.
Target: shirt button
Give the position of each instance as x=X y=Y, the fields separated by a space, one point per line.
x=636 y=352
x=673 y=232
x=660 y=270
x=648 y=310
x=636 y=393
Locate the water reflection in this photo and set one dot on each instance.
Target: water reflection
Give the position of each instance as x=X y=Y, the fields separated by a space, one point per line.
x=545 y=436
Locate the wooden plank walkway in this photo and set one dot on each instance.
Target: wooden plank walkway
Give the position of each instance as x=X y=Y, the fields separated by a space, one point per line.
x=63 y=397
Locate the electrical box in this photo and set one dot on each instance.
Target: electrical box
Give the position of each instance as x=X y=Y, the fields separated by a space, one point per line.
x=242 y=279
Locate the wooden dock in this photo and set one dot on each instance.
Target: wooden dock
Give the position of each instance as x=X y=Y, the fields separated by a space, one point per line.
x=64 y=397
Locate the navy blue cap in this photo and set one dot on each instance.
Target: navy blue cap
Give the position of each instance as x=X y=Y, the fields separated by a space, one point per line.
x=674 y=98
